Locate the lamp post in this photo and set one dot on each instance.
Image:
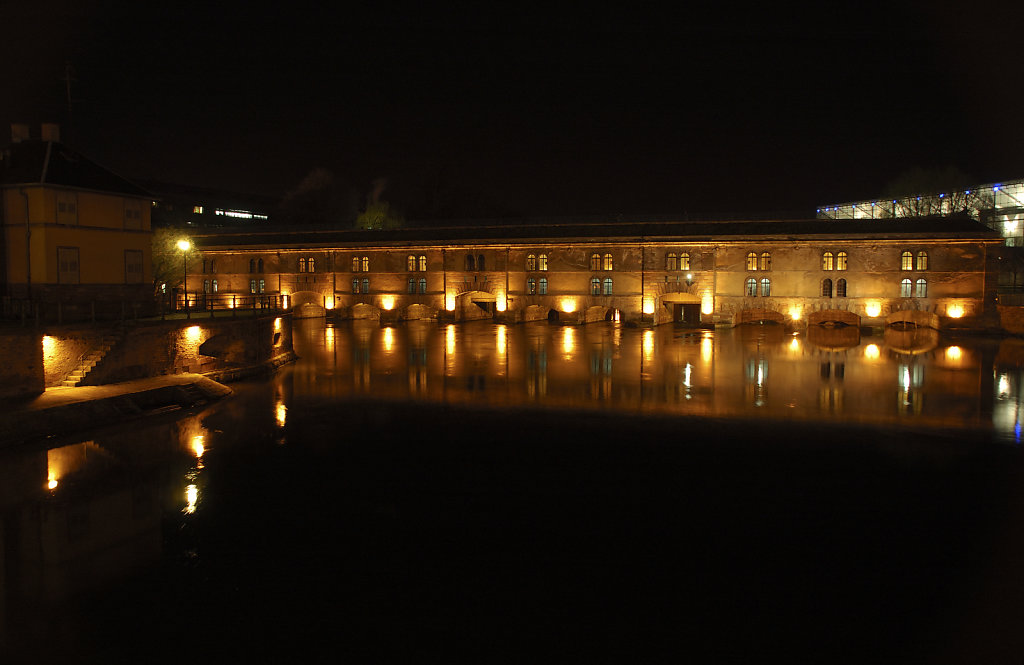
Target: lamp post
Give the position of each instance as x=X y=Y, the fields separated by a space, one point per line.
x=184 y=245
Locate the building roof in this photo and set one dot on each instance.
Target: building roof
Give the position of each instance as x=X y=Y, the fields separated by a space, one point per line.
x=950 y=228
x=36 y=162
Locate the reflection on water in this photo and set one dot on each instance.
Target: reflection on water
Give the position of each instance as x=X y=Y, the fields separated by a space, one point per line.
x=831 y=374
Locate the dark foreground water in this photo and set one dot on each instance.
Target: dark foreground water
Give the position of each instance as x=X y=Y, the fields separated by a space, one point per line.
x=427 y=494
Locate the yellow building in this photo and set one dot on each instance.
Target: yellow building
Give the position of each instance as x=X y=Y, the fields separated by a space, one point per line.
x=77 y=238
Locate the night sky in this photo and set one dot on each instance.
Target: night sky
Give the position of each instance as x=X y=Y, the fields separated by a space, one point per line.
x=530 y=110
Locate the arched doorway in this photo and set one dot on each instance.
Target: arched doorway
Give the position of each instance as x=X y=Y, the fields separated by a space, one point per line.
x=685 y=308
x=308 y=305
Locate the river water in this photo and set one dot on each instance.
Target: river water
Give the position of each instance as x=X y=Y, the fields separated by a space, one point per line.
x=429 y=492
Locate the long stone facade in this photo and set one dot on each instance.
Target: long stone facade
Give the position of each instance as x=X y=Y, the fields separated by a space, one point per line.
x=935 y=272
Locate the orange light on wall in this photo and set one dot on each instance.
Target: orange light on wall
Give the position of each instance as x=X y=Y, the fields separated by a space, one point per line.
x=954 y=311
x=648 y=306
x=387 y=302
x=449 y=302
x=329 y=302
x=707 y=304
x=568 y=305
x=501 y=303
x=873 y=309
x=795 y=313
x=277 y=324
x=954 y=353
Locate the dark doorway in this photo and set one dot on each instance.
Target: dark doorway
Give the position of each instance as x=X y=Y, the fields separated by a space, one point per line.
x=553 y=316
x=688 y=314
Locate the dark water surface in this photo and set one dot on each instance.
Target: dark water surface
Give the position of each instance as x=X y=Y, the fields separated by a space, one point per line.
x=426 y=493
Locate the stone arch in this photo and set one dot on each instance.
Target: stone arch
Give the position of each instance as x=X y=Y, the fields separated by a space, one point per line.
x=418 y=311
x=553 y=316
x=759 y=316
x=308 y=305
x=363 y=311
x=596 y=313
x=535 y=313
x=833 y=317
x=475 y=305
x=912 y=318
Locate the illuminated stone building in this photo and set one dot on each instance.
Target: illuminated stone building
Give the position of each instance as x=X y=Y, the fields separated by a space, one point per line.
x=77 y=238
x=934 y=271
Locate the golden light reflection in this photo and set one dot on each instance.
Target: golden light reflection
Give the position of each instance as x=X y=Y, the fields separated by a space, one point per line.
x=1004 y=386
x=568 y=340
x=871 y=352
x=387 y=302
x=329 y=337
x=707 y=347
x=389 y=339
x=568 y=305
x=648 y=345
x=955 y=311
x=285 y=300
x=502 y=340
x=873 y=309
x=794 y=344
x=191 y=499
x=281 y=414
x=954 y=353
x=198 y=445
x=449 y=339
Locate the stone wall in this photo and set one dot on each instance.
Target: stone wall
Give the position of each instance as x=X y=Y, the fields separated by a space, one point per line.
x=22 y=356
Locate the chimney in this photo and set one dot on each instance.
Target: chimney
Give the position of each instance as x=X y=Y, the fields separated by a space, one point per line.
x=19 y=132
x=50 y=131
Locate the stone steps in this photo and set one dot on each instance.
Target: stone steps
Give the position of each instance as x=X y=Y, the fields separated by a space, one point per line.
x=94 y=358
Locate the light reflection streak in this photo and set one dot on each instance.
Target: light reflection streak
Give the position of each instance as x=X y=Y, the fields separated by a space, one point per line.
x=389 y=340
x=568 y=341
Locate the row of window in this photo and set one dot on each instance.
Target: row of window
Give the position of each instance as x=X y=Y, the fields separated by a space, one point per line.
x=908 y=288
x=830 y=261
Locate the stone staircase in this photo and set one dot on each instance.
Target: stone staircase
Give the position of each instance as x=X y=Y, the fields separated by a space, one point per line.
x=93 y=358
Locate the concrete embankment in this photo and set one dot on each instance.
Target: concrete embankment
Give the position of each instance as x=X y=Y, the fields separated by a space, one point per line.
x=65 y=411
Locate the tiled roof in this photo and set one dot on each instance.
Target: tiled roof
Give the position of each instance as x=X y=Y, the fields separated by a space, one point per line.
x=691 y=231
x=52 y=163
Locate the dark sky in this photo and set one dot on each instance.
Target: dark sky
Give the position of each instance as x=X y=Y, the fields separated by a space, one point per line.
x=531 y=110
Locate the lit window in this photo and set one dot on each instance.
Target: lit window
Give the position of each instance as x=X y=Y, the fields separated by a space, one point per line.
x=543 y=286
x=423 y=263
x=595 y=287
x=684 y=261
x=751 y=261
x=751 y=289
x=766 y=287
x=410 y=265
x=922 y=260
x=921 y=289
x=412 y=284
x=198 y=210
x=423 y=284
x=906 y=287
x=310 y=264
x=542 y=262
x=531 y=286
x=206 y=286
x=366 y=285
x=826 y=288
x=595 y=262
x=766 y=261
x=671 y=261
x=840 y=288
x=252 y=286
x=366 y=264
x=841 y=261
x=213 y=285
x=355 y=264
x=906 y=261
x=608 y=286
x=826 y=261
x=531 y=262
x=355 y=285
x=302 y=265
x=608 y=262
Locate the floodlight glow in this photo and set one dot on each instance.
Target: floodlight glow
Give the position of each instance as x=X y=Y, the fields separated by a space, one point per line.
x=873 y=309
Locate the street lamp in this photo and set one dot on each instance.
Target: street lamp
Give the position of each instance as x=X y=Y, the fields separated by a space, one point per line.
x=184 y=245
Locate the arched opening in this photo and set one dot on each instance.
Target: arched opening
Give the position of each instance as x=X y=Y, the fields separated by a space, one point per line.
x=553 y=316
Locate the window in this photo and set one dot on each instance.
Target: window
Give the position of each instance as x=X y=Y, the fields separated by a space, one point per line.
x=214 y=286
x=543 y=286
x=751 y=261
x=766 y=261
x=412 y=284
x=206 y=286
x=204 y=266
x=671 y=261
x=263 y=286
x=470 y=263
x=906 y=287
x=310 y=264
x=531 y=262
x=410 y=264
x=423 y=263
x=67 y=265
x=423 y=284
x=252 y=265
x=608 y=262
x=542 y=262
x=921 y=289
x=302 y=265
x=133 y=266
x=595 y=287
x=922 y=260
x=366 y=264
x=259 y=266
x=132 y=214
x=607 y=286
x=355 y=285
x=366 y=285
x=355 y=265
x=907 y=261
x=480 y=262
x=213 y=265
x=595 y=262
x=751 y=289
x=252 y=286
x=766 y=287
x=840 y=288
x=826 y=261
x=841 y=261
x=67 y=208
x=531 y=286
x=826 y=288
x=684 y=261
